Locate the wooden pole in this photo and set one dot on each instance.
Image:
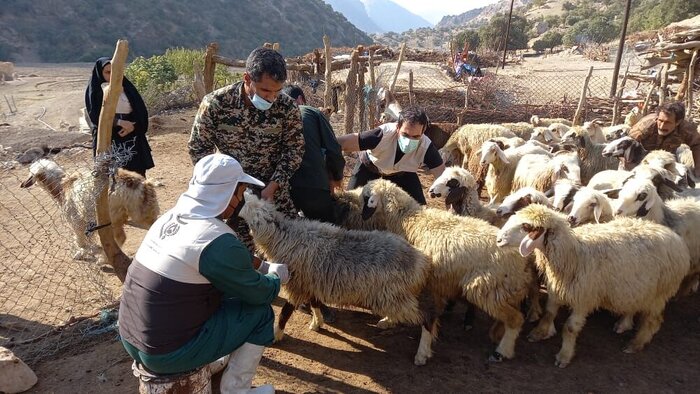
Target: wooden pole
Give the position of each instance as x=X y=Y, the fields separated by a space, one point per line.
x=505 y=41
x=691 y=78
x=361 y=93
x=620 y=49
x=578 y=117
x=351 y=94
x=116 y=258
x=327 y=94
x=372 y=115
x=398 y=67
x=618 y=95
x=645 y=106
x=664 y=85
x=410 y=86
x=210 y=66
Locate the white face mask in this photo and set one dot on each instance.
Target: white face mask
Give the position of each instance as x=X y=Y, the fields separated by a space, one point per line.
x=407 y=145
x=260 y=103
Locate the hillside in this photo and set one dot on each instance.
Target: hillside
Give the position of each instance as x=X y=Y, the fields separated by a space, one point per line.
x=392 y=17
x=459 y=20
x=82 y=30
x=355 y=12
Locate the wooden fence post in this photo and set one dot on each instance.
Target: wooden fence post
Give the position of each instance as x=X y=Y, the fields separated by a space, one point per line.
x=372 y=116
x=116 y=258
x=578 y=117
x=398 y=67
x=351 y=93
x=210 y=67
x=361 y=91
x=327 y=94
x=647 y=101
x=410 y=86
x=618 y=95
x=664 y=85
x=691 y=78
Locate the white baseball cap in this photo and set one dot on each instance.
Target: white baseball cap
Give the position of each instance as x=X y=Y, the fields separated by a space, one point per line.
x=214 y=180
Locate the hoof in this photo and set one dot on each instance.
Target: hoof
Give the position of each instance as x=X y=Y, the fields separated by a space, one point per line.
x=420 y=360
x=385 y=324
x=279 y=334
x=561 y=364
x=632 y=348
x=314 y=327
x=495 y=357
x=537 y=335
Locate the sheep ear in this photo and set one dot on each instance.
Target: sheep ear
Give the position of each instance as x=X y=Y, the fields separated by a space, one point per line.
x=567 y=208
x=549 y=193
x=500 y=144
x=597 y=212
x=28 y=182
x=612 y=193
x=689 y=179
x=502 y=156
x=530 y=242
x=548 y=136
x=455 y=195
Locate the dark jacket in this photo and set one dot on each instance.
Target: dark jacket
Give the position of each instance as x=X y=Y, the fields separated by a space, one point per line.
x=323 y=157
x=136 y=141
x=646 y=132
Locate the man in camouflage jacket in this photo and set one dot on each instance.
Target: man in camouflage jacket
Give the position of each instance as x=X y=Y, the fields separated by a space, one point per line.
x=253 y=123
x=667 y=130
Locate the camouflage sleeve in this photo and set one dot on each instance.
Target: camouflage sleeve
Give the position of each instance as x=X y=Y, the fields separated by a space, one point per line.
x=293 y=140
x=203 y=137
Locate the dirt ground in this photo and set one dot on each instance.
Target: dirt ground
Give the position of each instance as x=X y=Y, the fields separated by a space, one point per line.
x=351 y=355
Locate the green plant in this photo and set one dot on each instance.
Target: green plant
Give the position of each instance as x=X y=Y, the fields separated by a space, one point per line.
x=491 y=35
x=467 y=36
x=155 y=71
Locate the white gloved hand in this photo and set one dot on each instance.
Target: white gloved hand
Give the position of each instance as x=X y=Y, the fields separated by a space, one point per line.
x=264 y=267
x=280 y=270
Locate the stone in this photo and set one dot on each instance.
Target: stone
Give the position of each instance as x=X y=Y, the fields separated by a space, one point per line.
x=15 y=375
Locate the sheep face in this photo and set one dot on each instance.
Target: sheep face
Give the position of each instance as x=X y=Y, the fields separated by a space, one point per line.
x=371 y=202
x=519 y=231
x=564 y=192
x=616 y=132
x=48 y=175
x=256 y=211
x=519 y=200
x=565 y=165
x=492 y=150
x=543 y=135
x=559 y=128
x=453 y=185
x=451 y=156
x=586 y=207
x=636 y=198
x=619 y=147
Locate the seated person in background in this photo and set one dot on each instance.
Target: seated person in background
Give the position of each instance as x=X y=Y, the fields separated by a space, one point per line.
x=395 y=152
x=667 y=129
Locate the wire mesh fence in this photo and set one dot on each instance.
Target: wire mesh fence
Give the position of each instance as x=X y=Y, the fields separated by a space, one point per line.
x=54 y=290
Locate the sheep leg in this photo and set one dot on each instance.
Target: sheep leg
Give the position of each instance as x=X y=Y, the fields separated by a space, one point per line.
x=545 y=328
x=287 y=310
x=469 y=317
x=513 y=320
x=316 y=315
x=82 y=243
x=572 y=328
x=535 y=311
x=429 y=331
x=625 y=323
x=649 y=324
x=689 y=285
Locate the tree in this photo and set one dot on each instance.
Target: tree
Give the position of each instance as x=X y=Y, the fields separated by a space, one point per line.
x=548 y=41
x=567 y=6
x=469 y=36
x=491 y=35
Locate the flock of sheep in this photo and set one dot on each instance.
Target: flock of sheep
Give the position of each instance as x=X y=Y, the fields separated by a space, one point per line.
x=561 y=216
x=581 y=211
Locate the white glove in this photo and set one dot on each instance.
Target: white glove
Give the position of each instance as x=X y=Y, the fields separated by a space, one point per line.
x=264 y=267
x=280 y=270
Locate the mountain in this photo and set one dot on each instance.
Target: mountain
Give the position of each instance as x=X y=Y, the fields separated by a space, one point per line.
x=83 y=30
x=392 y=17
x=502 y=7
x=462 y=19
x=355 y=12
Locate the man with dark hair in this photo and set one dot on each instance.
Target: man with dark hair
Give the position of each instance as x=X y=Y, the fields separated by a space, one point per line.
x=667 y=130
x=251 y=121
x=321 y=170
x=395 y=151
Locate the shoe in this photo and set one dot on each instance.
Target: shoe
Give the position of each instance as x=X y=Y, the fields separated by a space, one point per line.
x=238 y=375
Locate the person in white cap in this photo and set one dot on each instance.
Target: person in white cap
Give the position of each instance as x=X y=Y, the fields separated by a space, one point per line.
x=192 y=294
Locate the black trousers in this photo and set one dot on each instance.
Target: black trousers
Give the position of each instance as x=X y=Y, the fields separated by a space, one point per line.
x=408 y=181
x=317 y=204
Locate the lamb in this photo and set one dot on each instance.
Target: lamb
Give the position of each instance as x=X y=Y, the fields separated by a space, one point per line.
x=464 y=261
x=503 y=163
x=596 y=266
x=330 y=265
x=590 y=206
x=130 y=195
x=537 y=121
x=541 y=172
x=639 y=198
x=589 y=154
x=519 y=200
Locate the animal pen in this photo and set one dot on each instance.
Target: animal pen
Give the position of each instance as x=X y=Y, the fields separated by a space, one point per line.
x=52 y=302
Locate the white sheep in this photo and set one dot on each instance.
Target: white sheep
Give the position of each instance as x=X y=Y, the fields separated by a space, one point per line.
x=559 y=128
x=595 y=131
x=562 y=194
x=130 y=196
x=541 y=172
x=627 y=150
x=537 y=121
x=639 y=198
x=589 y=153
x=598 y=267
x=458 y=187
x=545 y=135
x=685 y=156
x=464 y=262
x=369 y=269
x=521 y=129
x=614 y=132
x=502 y=165
x=590 y=206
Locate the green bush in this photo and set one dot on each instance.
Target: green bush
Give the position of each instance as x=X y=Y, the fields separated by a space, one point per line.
x=491 y=35
x=470 y=36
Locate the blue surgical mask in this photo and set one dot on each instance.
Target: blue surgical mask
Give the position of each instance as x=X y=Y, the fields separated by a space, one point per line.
x=260 y=103
x=407 y=145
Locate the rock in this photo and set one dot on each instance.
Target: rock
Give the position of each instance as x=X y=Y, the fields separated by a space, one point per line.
x=15 y=375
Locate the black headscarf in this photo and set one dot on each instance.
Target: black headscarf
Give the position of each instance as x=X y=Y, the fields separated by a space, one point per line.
x=94 y=97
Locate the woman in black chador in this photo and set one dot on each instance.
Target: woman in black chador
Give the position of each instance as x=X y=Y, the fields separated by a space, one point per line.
x=130 y=120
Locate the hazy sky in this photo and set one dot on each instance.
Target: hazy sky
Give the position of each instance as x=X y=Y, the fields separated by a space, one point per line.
x=434 y=10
